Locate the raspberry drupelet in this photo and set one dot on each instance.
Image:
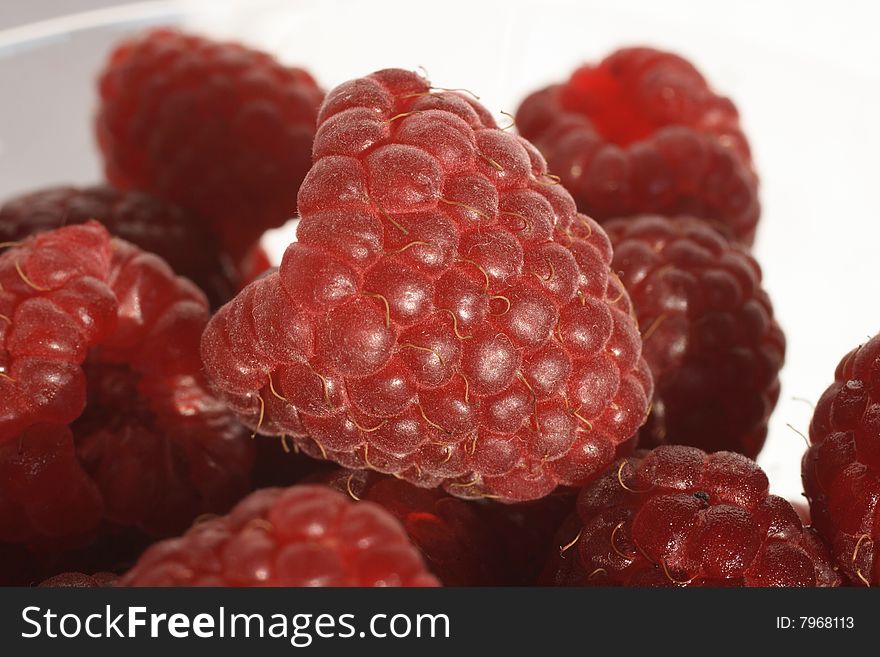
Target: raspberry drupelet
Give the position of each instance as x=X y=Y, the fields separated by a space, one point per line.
x=708 y=333
x=106 y=416
x=642 y=132
x=841 y=469
x=221 y=129
x=677 y=516
x=175 y=235
x=445 y=316
x=306 y=535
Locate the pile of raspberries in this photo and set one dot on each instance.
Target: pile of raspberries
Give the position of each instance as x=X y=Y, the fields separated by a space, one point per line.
x=538 y=354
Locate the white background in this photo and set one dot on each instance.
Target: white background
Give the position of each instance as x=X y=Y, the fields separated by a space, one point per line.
x=804 y=75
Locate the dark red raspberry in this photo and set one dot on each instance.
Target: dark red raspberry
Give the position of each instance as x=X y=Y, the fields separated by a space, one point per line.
x=841 y=470
x=642 y=132
x=446 y=315
x=453 y=535
x=79 y=581
x=173 y=234
x=677 y=516
x=306 y=535
x=106 y=414
x=710 y=339
x=221 y=129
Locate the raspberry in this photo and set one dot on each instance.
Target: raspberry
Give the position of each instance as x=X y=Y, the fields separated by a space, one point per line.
x=221 y=129
x=106 y=415
x=79 y=581
x=173 y=234
x=301 y=536
x=445 y=315
x=709 y=336
x=642 y=132
x=677 y=516
x=453 y=535
x=841 y=469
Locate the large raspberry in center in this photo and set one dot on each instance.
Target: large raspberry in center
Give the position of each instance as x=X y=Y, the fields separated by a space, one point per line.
x=446 y=315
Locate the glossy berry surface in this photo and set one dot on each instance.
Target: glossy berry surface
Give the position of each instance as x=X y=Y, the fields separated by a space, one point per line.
x=175 y=235
x=841 y=469
x=216 y=127
x=106 y=416
x=676 y=516
x=306 y=535
x=642 y=132
x=445 y=316
x=709 y=335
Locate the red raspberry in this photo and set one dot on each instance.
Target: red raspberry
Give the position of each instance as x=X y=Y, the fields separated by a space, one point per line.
x=79 y=581
x=710 y=339
x=642 y=132
x=299 y=536
x=841 y=469
x=677 y=516
x=106 y=414
x=221 y=129
x=173 y=234
x=445 y=316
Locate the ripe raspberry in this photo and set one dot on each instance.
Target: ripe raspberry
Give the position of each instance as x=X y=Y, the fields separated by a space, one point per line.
x=445 y=315
x=173 y=234
x=710 y=339
x=79 y=581
x=300 y=536
x=841 y=470
x=221 y=129
x=106 y=415
x=642 y=132
x=453 y=535
x=677 y=516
